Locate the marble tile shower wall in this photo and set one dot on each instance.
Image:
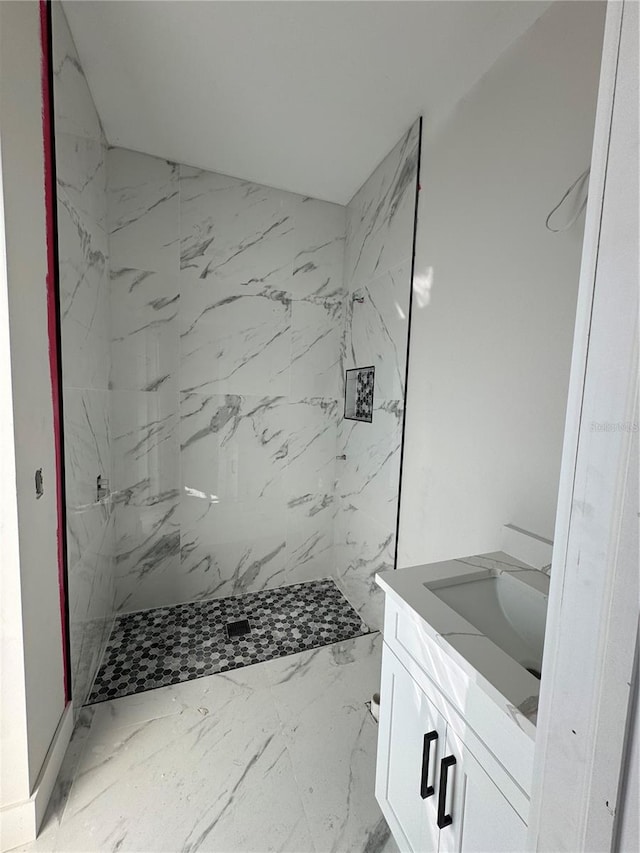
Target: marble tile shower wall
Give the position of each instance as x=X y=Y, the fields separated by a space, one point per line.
x=227 y=317
x=85 y=313
x=377 y=278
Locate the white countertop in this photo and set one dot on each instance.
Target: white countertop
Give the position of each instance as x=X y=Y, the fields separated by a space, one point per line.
x=506 y=681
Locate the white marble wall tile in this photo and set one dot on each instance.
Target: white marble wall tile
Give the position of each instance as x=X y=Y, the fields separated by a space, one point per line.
x=147 y=548
x=258 y=304
x=318 y=250
x=84 y=297
x=311 y=424
x=369 y=477
x=146 y=494
x=309 y=536
x=320 y=697
x=143 y=212
x=145 y=446
x=81 y=174
x=380 y=217
x=229 y=548
x=90 y=609
x=316 y=366
x=145 y=342
x=234 y=232
x=258 y=480
x=377 y=330
x=222 y=521
x=87 y=444
x=84 y=525
x=234 y=341
x=234 y=447
x=363 y=548
x=75 y=111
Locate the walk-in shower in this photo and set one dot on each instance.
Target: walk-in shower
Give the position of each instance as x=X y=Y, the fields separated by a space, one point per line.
x=209 y=329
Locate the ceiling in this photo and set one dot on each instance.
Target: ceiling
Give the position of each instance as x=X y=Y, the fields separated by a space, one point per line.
x=303 y=96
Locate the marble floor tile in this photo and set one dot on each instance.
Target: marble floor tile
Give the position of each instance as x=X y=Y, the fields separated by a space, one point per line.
x=276 y=756
x=194 y=779
x=320 y=697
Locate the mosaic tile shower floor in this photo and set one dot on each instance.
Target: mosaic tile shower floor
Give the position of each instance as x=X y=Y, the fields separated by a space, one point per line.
x=167 y=645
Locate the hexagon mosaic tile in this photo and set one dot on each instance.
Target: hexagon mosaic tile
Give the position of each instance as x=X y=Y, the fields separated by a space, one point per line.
x=167 y=645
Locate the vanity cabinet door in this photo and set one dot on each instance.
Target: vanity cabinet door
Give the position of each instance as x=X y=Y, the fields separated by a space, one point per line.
x=410 y=731
x=482 y=819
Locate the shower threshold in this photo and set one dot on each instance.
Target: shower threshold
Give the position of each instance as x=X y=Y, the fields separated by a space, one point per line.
x=167 y=645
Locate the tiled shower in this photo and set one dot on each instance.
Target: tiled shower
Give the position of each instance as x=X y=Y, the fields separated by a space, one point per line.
x=207 y=324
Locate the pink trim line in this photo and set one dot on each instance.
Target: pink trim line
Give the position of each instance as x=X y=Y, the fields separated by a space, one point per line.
x=52 y=320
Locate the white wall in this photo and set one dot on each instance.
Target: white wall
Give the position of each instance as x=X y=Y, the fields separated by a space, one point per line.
x=495 y=295
x=32 y=650
x=14 y=779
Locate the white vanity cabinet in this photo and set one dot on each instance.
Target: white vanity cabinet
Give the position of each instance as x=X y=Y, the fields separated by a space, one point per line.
x=456 y=736
x=436 y=795
x=410 y=742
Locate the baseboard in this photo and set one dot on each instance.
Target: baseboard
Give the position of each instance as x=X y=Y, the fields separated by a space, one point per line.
x=20 y=822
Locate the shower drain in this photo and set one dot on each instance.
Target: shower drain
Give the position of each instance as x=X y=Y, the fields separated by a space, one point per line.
x=239 y=628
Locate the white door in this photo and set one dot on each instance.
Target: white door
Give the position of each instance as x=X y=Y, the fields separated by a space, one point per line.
x=482 y=819
x=411 y=738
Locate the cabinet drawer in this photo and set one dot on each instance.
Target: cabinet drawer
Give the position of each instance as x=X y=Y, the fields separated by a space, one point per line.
x=474 y=717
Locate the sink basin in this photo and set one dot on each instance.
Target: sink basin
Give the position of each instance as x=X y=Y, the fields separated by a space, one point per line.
x=477 y=625
x=509 y=611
